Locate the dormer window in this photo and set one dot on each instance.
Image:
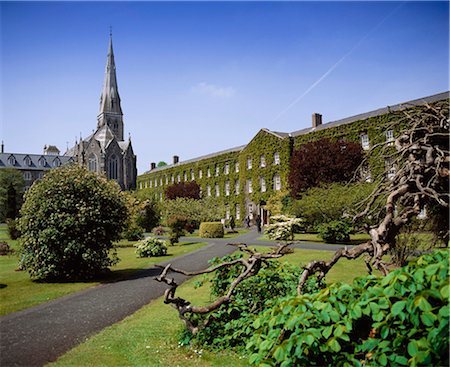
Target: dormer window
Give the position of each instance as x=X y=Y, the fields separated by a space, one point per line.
x=12 y=160
x=56 y=162
x=27 y=161
x=42 y=162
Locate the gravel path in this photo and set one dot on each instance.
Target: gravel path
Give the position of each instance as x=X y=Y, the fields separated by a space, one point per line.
x=38 y=335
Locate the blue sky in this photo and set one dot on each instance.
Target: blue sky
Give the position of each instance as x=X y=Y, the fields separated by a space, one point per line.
x=199 y=77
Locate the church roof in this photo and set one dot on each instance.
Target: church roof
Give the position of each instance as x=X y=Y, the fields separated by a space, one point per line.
x=104 y=136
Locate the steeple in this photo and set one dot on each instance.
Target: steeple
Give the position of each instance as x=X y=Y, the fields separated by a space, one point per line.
x=110 y=112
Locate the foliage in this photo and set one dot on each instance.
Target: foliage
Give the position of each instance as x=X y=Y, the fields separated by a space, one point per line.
x=159 y=231
x=176 y=224
x=323 y=161
x=149 y=215
x=283 y=227
x=189 y=190
x=211 y=230
x=203 y=210
x=151 y=247
x=335 y=231
x=276 y=204
x=400 y=319
x=11 y=193
x=13 y=231
x=230 y=325
x=133 y=231
x=5 y=249
x=330 y=202
x=69 y=222
x=161 y=164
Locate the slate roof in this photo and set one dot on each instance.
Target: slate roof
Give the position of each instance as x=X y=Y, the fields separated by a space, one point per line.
x=36 y=162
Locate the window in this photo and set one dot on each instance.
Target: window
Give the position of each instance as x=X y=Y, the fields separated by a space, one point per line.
x=236 y=187
x=262 y=161
x=249 y=163
x=42 y=162
x=156 y=182
x=262 y=182
x=391 y=170
x=56 y=162
x=217 y=170
x=160 y=181
x=184 y=176
x=226 y=169
x=40 y=175
x=227 y=188
x=192 y=175
x=178 y=178
x=208 y=190
x=12 y=160
x=276 y=158
x=390 y=137
x=249 y=186
x=172 y=179
x=140 y=185
x=238 y=212
x=217 y=190
x=113 y=168
x=92 y=162
x=365 y=141
x=27 y=161
x=227 y=212
x=250 y=211
x=236 y=167
x=200 y=173
x=277 y=182
x=160 y=196
x=167 y=179
x=27 y=175
x=150 y=182
x=208 y=172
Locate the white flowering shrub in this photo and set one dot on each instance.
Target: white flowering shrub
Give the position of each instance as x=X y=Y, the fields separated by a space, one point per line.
x=151 y=246
x=283 y=227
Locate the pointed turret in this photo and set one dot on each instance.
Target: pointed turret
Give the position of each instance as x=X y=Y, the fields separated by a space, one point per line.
x=110 y=110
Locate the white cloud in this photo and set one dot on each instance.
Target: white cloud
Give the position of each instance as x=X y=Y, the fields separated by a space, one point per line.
x=213 y=90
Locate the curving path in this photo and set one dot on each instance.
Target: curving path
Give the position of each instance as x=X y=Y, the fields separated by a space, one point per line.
x=41 y=334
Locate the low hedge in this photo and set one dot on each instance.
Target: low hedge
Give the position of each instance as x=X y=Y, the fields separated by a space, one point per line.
x=211 y=230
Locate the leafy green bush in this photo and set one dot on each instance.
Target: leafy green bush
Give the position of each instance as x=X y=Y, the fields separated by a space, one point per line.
x=401 y=319
x=13 y=231
x=69 y=222
x=231 y=325
x=335 y=231
x=151 y=247
x=211 y=230
x=282 y=227
x=176 y=224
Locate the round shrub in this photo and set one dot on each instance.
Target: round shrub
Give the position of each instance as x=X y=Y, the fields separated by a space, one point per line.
x=211 y=230
x=335 y=231
x=151 y=247
x=68 y=222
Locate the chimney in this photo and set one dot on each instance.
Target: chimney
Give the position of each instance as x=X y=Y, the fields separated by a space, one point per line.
x=176 y=159
x=316 y=119
x=152 y=165
x=3 y=147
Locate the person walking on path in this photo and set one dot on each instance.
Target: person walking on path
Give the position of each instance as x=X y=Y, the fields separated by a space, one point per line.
x=258 y=223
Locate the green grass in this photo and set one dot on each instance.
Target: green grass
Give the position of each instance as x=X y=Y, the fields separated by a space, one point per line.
x=18 y=292
x=150 y=336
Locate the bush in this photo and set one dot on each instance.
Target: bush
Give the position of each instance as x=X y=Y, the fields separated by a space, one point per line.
x=159 y=231
x=283 y=228
x=335 y=231
x=69 y=222
x=149 y=215
x=189 y=190
x=11 y=193
x=176 y=224
x=5 y=249
x=211 y=230
x=230 y=325
x=13 y=231
x=151 y=247
x=398 y=320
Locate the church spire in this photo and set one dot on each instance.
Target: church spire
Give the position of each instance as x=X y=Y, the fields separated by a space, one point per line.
x=110 y=110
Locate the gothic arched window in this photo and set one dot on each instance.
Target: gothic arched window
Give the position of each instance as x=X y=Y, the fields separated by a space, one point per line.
x=113 y=168
x=92 y=162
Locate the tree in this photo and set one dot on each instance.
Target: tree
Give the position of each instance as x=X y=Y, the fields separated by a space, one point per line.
x=204 y=210
x=323 y=161
x=183 y=190
x=161 y=164
x=11 y=193
x=68 y=222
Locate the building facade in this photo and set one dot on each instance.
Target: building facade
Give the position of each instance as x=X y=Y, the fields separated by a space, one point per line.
x=245 y=178
x=105 y=151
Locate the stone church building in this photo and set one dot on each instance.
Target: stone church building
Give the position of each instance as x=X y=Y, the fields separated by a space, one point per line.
x=106 y=151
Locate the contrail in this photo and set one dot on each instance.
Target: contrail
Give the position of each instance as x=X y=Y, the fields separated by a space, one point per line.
x=328 y=72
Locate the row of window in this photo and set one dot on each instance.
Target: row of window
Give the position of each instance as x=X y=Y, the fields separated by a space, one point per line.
x=113 y=166
x=28 y=177
x=27 y=161
x=365 y=143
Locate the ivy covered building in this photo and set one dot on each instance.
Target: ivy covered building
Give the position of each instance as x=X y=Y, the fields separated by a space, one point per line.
x=245 y=178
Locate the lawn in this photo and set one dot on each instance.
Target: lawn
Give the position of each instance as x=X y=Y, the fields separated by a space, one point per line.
x=149 y=337
x=19 y=292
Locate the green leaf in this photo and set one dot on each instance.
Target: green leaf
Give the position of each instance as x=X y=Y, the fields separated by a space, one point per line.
x=398 y=307
x=401 y=360
x=413 y=348
x=382 y=359
x=445 y=292
x=422 y=303
x=428 y=318
x=334 y=345
x=279 y=353
x=327 y=331
x=309 y=339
